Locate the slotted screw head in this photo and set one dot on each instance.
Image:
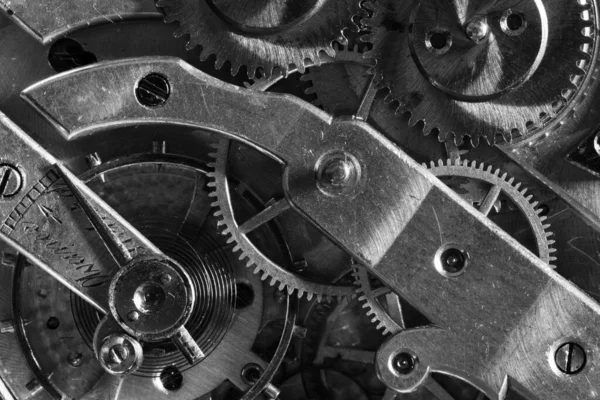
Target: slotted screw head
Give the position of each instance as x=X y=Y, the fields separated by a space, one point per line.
x=153 y=90
x=10 y=181
x=570 y=358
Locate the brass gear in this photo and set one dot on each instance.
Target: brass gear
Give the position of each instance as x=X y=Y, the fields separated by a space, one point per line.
x=389 y=317
x=264 y=34
x=496 y=70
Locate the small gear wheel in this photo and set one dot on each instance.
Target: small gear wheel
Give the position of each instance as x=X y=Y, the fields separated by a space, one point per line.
x=291 y=278
x=262 y=34
x=498 y=70
x=496 y=196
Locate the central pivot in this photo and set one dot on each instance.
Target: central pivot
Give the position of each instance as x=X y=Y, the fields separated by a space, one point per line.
x=151 y=297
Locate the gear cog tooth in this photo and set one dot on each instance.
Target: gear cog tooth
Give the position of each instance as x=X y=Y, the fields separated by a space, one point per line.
x=304 y=38
x=491 y=113
x=262 y=264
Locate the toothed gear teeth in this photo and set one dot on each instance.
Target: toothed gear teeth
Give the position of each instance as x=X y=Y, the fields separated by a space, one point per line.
x=527 y=100
x=332 y=79
x=261 y=265
x=259 y=34
x=470 y=170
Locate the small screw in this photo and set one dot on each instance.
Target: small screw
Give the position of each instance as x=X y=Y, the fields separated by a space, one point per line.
x=165 y=279
x=10 y=181
x=453 y=260
x=570 y=358
x=117 y=354
x=75 y=359
x=404 y=363
x=43 y=293
x=153 y=90
x=120 y=354
x=53 y=323
x=478 y=29
x=133 y=316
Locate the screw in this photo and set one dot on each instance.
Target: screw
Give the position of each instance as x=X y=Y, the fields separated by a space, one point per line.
x=404 y=363
x=165 y=279
x=453 y=260
x=478 y=29
x=53 y=323
x=133 y=316
x=117 y=354
x=153 y=90
x=570 y=358
x=10 y=181
x=75 y=359
x=120 y=354
x=43 y=293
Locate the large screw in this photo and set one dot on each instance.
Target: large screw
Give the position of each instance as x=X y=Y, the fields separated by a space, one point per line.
x=404 y=363
x=153 y=90
x=570 y=358
x=10 y=181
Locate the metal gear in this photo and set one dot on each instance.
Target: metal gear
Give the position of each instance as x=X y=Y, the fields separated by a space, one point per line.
x=388 y=316
x=337 y=357
x=284 y=278
x=338 y=86
x=495 y=70
x=262 y=34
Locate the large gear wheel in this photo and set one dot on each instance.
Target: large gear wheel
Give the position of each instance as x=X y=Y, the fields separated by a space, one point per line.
x=263 y=34
x=496 y=70
x=499 y=192
x=286 y=279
